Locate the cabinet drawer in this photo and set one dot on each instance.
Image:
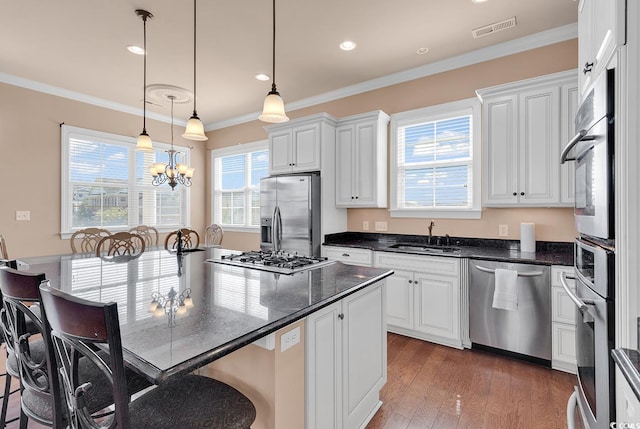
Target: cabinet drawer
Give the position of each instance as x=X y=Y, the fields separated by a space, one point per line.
x=426 y=264
x=556 y=274
x=349 y=255
x=564 y=347
x=563 y=309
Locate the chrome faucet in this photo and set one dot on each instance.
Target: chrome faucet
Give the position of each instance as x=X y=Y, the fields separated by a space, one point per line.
x=430 y=228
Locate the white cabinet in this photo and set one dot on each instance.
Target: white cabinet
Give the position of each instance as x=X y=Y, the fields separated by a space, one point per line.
x=601 y=30
x=349 y=255
x=627 y=403
x=563 y=322
x=569 y=103
x=297 y=145
x=361 y=160
x=423 y=296
x=346 y=348
x=522 y=130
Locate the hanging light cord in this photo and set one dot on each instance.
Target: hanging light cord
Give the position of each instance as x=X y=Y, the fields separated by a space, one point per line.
x=172 y=98
x=194 y=57
x=144 y=79
x=273 y=58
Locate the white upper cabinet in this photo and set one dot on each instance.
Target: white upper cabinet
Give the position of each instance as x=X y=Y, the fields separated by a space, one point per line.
x=601 y=30
x=361 y=160
x=296 y=146
x=523 y=131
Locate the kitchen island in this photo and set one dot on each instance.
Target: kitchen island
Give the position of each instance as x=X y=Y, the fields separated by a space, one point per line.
x=232 y=308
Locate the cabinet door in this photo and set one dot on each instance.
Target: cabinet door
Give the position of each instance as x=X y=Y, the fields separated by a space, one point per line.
x=500 y=151
x=345 y=139
x=280 y=152
x=436 y=306
x=365 y=164
x=324 y=368
x=539 y=134
x=563 y=350
x=364 y=354
x=585 y=45
x=400 y=299
x=569 y=107
x=306 y=147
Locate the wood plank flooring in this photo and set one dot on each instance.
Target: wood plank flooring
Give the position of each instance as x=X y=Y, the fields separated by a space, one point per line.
x=435 y=387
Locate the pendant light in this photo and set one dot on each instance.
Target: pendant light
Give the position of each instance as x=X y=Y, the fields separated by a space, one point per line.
x=273 y=110
x=194 y=129
x=144 y=141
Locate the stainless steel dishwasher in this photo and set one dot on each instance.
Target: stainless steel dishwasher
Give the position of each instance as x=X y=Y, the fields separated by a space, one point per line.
x=525 y=331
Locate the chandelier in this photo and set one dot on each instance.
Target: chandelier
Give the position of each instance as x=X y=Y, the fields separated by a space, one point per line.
x=173 y=305
x=173 y=172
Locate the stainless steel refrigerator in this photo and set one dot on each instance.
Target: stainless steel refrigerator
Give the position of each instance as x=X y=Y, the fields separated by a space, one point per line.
x=290 y=214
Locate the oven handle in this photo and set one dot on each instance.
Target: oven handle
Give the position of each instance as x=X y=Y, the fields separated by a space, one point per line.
x=580 y=303
x=520 y=274
x=581 y=136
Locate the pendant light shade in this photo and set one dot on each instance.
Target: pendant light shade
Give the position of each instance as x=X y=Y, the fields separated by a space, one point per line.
x=144 y=141
x=194 y=129
x=273 y=109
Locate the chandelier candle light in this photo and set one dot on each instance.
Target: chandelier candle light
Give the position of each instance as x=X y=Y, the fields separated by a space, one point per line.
x=174 y=304
x=173 y=172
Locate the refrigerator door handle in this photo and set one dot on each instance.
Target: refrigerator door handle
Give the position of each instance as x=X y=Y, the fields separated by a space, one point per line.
x=277 y=230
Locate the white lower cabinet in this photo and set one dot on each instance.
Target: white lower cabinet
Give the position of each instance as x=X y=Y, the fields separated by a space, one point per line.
x=627 y=403
x=349 y=255
x=423 y=296
x=563 y=322
x=346 y=348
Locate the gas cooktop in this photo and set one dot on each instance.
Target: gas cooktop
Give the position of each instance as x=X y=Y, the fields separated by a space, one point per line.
x=276 y=262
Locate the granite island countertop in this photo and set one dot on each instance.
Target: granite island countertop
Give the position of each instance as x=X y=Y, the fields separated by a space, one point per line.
x=232 y=306
x=547 y=253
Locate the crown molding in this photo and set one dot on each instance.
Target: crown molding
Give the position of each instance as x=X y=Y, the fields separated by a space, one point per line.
x=538 y=40
x=522 y=44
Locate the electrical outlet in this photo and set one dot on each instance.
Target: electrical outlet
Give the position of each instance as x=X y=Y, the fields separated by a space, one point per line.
x=503 y=230
x=365 y=225
x=289 y=339
x=23 y=215
x=381 y=226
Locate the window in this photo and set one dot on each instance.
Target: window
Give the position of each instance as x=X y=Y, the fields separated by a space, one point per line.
x=236 y=184
x=106 y=184
x=435 y=161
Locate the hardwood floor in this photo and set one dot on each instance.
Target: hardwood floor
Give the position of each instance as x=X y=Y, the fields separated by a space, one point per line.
x=435 y=387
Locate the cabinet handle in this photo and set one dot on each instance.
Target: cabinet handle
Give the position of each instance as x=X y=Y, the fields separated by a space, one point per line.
x=521 y=193
x=346 y=255
x=410 y=281
x=341 y=316
x=515 y=193
x=587 y=67
x=351 y=197
x=356 y=197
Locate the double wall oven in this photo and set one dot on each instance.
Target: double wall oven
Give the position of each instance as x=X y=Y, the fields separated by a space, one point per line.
x=592 y=149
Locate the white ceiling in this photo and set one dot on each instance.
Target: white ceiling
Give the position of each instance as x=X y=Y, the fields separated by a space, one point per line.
x=78 y=46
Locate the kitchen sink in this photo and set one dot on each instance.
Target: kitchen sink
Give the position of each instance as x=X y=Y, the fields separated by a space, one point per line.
x=424 y=248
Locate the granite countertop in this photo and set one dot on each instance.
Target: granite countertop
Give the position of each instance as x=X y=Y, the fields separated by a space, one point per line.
x=629 y=363
x=547 y=253
x=233 y=306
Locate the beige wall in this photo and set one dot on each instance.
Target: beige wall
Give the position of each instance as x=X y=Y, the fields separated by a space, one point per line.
x=30 y=152
x=552 y=224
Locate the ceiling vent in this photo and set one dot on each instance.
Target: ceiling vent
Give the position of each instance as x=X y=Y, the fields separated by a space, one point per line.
x=492 y=28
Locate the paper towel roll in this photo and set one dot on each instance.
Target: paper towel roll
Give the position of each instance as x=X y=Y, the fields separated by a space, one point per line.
x=527 y=237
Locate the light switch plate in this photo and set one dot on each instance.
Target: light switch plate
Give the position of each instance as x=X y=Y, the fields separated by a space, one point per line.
x=23 y=215
x=365 y=225
x=381 y=226
x=503 y=230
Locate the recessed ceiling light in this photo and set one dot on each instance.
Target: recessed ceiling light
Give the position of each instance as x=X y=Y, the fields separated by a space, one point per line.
x=262 y=76
x=135 y=49
x=478 y=1
x=348 y=45
x=422 y=51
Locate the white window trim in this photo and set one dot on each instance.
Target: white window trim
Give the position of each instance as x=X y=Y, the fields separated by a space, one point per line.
x=226 y=151
x=69 y=131
x=441 y=111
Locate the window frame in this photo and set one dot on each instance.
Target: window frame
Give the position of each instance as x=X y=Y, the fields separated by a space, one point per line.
x=243 y=148
x=66 y=213
x=429 y=114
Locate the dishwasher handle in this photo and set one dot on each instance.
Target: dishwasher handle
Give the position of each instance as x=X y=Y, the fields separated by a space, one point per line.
x=520 y=274
x=580 y=303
